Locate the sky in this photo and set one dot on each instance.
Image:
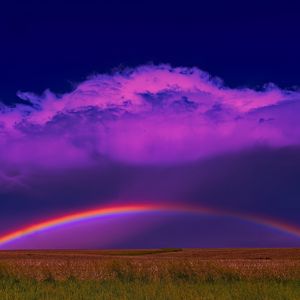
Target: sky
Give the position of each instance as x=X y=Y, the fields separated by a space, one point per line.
x=193 y=106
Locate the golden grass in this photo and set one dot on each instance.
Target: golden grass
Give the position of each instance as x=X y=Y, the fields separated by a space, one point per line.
x=154 y=265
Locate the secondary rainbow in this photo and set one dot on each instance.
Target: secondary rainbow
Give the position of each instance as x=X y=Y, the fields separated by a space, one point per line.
x=143 y=208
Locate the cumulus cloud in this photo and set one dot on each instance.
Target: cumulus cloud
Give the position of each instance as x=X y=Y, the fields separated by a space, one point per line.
x=147 y=115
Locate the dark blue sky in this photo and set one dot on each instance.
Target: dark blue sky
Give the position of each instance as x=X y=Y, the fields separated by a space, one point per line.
x=52 y=44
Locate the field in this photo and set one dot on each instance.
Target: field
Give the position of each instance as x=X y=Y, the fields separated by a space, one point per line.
x=151 y=274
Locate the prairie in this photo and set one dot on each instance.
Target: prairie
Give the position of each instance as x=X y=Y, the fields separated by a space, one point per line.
x=150 y=274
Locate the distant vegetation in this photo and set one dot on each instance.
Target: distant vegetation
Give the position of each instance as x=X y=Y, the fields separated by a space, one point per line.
x=139 y=252
x=151 y=274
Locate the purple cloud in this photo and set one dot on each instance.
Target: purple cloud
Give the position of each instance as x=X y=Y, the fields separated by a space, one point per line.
x=151 y=114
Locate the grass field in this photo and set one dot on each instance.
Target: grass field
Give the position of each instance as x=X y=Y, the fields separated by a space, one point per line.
x=151 y=274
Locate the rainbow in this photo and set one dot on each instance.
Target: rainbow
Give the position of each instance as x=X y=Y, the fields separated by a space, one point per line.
x=137 y=209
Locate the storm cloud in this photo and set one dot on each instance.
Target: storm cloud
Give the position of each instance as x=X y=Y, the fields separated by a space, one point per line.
x=151 y=133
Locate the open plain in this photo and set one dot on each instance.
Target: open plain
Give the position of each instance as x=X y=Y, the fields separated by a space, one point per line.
x=150 y=274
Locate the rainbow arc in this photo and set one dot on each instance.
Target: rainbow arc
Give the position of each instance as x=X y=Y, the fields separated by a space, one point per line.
x=137 y=209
